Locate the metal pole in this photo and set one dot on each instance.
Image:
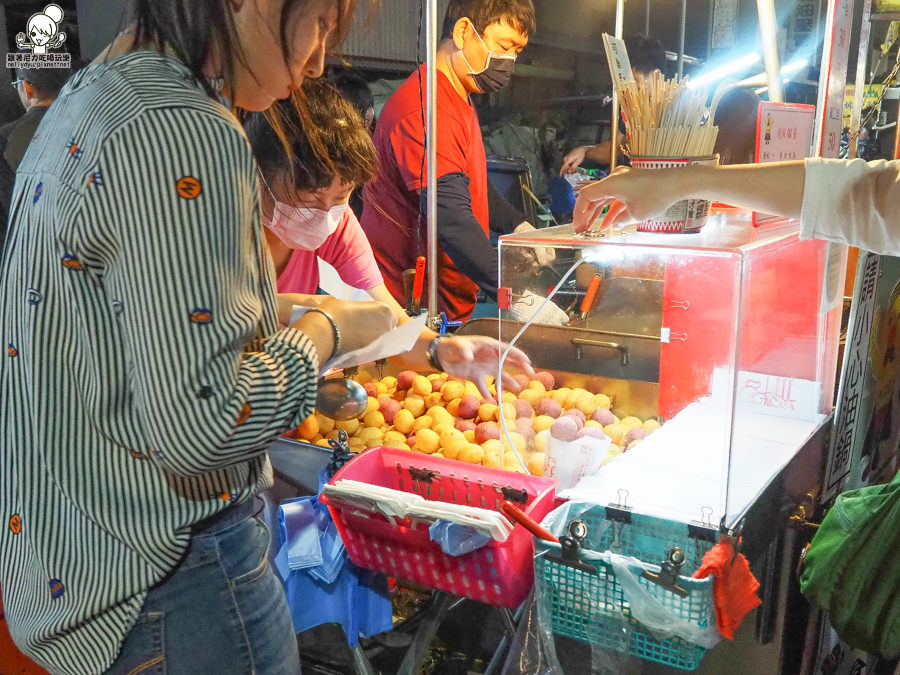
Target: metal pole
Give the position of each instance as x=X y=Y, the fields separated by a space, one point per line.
x=647 y=18
x=614 y=131
x=431 y=38
x=681 y=38
x=766 y=11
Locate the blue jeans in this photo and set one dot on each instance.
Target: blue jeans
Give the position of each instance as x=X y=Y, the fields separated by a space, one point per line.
x=221 y=611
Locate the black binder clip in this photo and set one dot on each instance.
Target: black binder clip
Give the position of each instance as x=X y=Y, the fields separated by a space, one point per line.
x=669 y=569
x=571 y=544
x=340 y=452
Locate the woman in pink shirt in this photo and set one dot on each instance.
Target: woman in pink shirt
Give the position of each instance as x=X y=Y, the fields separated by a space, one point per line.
x=304 y=206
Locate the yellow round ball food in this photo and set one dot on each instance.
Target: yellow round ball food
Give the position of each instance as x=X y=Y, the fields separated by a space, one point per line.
x=309 y=428
x=452 y=389
x=394 y=436
x=471 y=389
x=428 y=440
x=508 y=397
x=509 y=412
x=370 y=433
x=491 y=459
x=542 y=422
x=453 y=406
x=433 y=399
x=541 y=439
x=531 y=395
x=390 y=383
x=396 y=443
x=421 y=385
x=423 y=422
x=487 y=412
x=536 y=386
x=440 y=415
x=650 y=425
x=415 y=404
x=453 y=446
x=603 y=401
x=560 y=395
x=469 y=435
x=518 y=440
x=492 y=445
x=323 y=442
x=350 y=426
x=374 y=418
x=326 y=424
x=371 y=405
x=471 y=453
x=403 y=421
x=536 y=463
x=586 y=404
x=631 y=421
x=616 y=431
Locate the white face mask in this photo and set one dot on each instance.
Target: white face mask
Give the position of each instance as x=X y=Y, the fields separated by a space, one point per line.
x=306 y=228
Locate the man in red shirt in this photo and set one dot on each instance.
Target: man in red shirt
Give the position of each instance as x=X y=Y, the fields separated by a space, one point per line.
x=477 y=52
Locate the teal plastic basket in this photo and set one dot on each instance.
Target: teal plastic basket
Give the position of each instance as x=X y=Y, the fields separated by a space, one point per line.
x=592 y=608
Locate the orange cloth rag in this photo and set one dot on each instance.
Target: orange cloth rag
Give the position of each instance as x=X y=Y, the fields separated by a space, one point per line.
x=734 y=586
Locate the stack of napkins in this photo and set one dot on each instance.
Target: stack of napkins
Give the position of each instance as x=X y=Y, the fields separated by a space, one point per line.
x=398 y=504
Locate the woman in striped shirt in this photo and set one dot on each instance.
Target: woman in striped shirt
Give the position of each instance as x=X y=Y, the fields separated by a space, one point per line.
x=144 y=373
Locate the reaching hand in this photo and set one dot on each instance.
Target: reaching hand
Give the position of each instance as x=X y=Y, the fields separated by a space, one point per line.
x=632 y=196
x=573 y=160
x=474 y=357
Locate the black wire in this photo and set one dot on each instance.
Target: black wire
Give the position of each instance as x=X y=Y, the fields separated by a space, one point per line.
x=422 y=194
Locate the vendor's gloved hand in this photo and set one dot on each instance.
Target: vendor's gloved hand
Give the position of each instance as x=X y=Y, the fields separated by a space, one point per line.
x=474 y=357
x=545 y=256
x=524 y=307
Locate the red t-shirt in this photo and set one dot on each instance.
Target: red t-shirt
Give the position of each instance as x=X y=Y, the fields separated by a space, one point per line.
x=391 y=214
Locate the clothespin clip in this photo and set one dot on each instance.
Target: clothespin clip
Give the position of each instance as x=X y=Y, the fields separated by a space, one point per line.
x=669 y=570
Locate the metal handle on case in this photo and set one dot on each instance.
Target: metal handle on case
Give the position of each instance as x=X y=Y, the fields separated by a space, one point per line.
x=584 y=342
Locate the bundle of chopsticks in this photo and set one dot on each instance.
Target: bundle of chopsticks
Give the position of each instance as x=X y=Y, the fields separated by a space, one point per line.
x=665 y=118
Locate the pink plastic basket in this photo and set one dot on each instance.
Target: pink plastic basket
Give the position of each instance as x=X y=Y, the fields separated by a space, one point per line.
x=500 y=573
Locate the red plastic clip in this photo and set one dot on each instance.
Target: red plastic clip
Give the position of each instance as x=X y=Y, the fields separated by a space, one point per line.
x=504 y=297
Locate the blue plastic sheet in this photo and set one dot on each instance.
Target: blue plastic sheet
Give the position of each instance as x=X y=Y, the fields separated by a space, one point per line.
x=321 y=584
x=455 y=539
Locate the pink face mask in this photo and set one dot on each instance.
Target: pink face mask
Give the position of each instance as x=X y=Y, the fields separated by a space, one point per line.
x=303 y=227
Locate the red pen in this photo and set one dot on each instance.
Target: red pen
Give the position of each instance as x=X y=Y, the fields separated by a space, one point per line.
x=418 y=284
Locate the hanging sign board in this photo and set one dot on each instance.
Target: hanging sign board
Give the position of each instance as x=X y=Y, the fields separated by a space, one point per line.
x=784 y=131
x=835 y=54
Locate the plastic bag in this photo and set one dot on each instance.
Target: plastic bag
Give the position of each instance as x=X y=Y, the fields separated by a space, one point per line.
x=570 y=461
x=455 y=539
x=533 y=650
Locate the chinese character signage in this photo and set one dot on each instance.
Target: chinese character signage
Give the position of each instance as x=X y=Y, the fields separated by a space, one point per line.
x=783 y=132
x=835 y=54
x=867 y=421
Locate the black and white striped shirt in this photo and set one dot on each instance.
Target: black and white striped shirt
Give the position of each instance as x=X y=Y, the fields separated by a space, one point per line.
x=134 y=282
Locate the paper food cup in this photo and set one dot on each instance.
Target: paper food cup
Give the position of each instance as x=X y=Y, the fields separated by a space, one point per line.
x=688 y=215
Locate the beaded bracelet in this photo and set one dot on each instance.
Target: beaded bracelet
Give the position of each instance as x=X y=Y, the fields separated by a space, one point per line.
x=334 y=328
x=431 y=355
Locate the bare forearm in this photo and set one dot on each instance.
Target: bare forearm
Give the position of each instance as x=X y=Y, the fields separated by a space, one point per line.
x=771 y=188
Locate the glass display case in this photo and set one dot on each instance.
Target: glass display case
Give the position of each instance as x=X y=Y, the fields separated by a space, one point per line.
x=728 y=336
